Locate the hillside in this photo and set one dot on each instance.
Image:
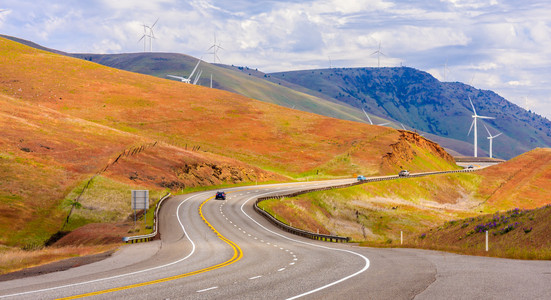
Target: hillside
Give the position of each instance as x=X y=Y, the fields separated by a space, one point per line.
x=439 y=212
x=67 y=120
x=162 y=64
x=420 y=101
x=522 y=182
x=401 y=95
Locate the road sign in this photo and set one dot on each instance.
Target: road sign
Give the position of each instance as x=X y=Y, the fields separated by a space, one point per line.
x=140 y=199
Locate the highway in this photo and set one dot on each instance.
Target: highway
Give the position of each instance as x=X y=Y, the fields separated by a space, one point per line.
x=212 y=249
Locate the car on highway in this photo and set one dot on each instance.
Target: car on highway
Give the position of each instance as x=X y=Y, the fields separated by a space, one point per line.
x=220 y=195
x=361 y=178
x=470 y=166
x=403 y=173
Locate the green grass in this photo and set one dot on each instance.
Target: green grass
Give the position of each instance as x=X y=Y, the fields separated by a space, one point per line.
x=105 y=201
x=378 y=211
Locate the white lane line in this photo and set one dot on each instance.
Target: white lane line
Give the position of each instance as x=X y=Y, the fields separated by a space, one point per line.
x=291 y=263
x=127 y=274
x=210 y=288
x=255 y=277
x=281 y=269
x=366 y=260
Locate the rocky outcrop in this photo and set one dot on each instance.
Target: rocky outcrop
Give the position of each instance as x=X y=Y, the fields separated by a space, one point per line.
x=403 y=152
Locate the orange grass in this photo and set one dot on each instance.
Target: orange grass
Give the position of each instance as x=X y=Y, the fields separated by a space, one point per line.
x=64 y=119
x=15 y=259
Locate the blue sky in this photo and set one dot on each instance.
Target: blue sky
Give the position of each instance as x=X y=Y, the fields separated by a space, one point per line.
x=501 y=45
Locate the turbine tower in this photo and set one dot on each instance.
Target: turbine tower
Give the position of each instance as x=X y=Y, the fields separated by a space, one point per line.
x=144 y=36
x=475 y=117
x=491 y=138
x=378 y=52
x=446 y=70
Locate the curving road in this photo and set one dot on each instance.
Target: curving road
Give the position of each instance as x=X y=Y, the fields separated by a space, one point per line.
x=223 y=249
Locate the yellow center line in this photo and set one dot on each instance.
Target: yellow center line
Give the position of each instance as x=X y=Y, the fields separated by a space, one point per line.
x=237 y=255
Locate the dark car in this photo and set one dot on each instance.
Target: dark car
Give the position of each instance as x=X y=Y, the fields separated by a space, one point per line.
x=220 y=195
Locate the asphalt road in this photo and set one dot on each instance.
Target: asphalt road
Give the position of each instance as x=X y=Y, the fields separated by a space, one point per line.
x=213 y=249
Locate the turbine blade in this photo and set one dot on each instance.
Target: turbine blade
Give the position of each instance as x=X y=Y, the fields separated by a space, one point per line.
x=154 y=23
x=404 y=128
x=498 y=134
x=194 y=69
x=197 y=77
x=383 y=124
x=368 y=118
x=488 y=131
x=177 y=77
x=470 y=129
x=484 y=117
x=472 y=105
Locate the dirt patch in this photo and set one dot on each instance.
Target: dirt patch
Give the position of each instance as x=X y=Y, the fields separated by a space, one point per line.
x=95 y=234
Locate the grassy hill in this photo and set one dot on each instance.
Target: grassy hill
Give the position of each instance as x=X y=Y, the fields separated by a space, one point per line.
x=68 y=121
x=438 y=212
x=418 y=100
x=401 y=95
x=162 y=64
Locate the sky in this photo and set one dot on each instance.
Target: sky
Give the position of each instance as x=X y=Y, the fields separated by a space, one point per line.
x=499 y=45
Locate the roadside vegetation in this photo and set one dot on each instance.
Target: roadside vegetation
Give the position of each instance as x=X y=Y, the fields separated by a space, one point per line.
x=516 y=233
x=443 y=212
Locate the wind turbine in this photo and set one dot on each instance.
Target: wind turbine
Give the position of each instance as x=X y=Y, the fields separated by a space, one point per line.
x=188 y=79
x=151 y=35
x=144 y=36
x=148 y=33
x=475 y=117
x=369 y=119
x=215 y=47
x=491 y=138
x=378 y=52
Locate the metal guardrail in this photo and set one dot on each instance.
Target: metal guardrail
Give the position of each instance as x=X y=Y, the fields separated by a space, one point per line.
x=151 y=236
x=333 y=238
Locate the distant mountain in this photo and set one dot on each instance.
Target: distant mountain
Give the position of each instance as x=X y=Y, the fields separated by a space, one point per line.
x=419 y=101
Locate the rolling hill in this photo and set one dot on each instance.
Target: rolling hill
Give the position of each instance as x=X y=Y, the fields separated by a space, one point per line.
x=443 y=212
x=401 y=95
x=68 y=121
x=420 y=101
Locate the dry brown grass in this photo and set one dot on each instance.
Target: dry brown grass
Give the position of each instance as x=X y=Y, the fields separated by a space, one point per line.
x=15 y=259
x=522 y=182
